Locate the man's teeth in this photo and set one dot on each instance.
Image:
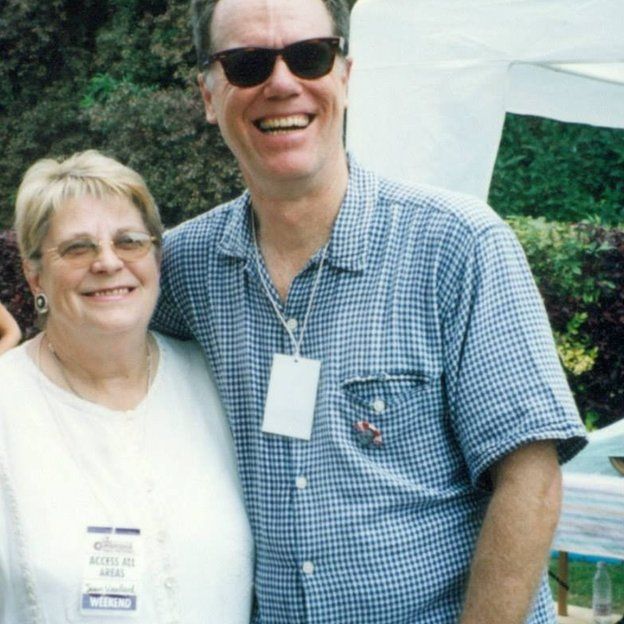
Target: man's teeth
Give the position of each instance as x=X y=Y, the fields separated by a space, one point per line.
x=110 y=292
x=284 y=124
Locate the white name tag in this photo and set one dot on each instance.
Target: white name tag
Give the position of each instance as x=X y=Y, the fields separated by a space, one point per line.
x=112 y=572
x=291 y=397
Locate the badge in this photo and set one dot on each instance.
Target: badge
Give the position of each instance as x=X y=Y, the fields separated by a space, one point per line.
x=112 y=572
x=291 y=397
x=367 y=434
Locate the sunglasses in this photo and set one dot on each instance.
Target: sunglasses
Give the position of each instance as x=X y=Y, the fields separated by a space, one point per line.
x=309 y=59
x=128 y=246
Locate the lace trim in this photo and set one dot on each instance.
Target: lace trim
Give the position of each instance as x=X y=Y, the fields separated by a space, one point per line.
x=33 y=610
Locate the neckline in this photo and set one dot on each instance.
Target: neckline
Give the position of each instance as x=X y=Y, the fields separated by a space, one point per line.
x=89 y=407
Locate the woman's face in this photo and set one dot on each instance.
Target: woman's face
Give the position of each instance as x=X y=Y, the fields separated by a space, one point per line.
x=107 y=295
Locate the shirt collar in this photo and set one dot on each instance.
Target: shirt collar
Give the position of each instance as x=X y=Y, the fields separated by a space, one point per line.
x=236 y=240
x=348 y=248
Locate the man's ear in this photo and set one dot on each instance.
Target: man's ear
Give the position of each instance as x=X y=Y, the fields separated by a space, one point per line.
x=348 y=63
x=206 y=94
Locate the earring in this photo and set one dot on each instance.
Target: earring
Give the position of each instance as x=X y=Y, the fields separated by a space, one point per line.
x=41 y=303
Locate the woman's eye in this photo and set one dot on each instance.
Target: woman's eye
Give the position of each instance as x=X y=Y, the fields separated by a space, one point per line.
x=131 y=241
x=77 y=248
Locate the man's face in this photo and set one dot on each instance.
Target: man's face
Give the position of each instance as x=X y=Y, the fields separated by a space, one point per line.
x=287 y=128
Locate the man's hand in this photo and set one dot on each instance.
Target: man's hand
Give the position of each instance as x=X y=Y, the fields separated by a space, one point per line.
x=516 y=536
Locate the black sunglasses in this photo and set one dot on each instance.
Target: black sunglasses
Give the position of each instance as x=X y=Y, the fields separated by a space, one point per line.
x=309 y=59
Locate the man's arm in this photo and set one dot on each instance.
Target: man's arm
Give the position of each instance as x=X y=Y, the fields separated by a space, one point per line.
x=516 y=536
x=10 y=333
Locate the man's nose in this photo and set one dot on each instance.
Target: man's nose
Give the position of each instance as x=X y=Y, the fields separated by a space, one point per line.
x=282 y=81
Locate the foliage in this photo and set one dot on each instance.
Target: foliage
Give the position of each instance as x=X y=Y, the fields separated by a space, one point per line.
x=580 y=272
x=558 y=253
x=122 y=82
x=51 y=127
x=163 y=134
x=561 y=171
x=576 y=355
x=14 y=292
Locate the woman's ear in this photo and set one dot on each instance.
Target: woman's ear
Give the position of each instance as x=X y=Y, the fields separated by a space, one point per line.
x=31 y=272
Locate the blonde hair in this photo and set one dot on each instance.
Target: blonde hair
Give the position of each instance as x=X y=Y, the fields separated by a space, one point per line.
x=49 y=184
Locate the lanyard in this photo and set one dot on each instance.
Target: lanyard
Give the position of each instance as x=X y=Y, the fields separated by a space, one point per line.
x=295 y=343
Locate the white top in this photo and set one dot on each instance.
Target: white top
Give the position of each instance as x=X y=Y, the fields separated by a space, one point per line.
x=166 y=467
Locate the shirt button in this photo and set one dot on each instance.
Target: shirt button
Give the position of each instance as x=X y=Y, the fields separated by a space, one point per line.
x=378 y=406
x=169 y=583
x=162 y=536
x=301 y=483
x=308 y=567
x=292 y=324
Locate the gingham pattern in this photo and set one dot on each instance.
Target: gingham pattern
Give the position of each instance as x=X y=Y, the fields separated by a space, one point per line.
x=429 y=326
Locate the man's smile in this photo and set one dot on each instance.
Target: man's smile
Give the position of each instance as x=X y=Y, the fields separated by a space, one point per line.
x=282 y=124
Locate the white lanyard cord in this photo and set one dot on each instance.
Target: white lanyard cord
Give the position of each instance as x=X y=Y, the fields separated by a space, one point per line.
x=296 y=343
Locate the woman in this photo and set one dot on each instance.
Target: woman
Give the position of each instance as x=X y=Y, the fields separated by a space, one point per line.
x=119 y=490
x=10 y=333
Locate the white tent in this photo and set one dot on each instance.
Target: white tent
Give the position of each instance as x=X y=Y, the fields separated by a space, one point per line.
x=433 y=79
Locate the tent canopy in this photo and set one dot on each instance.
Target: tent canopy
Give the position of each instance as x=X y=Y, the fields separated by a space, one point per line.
x=433 y=79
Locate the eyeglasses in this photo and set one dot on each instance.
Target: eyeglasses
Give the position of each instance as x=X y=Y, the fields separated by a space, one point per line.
x=309 y=59
x=128 y=246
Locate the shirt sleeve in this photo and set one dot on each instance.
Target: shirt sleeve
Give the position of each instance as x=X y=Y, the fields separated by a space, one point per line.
x=505 y=383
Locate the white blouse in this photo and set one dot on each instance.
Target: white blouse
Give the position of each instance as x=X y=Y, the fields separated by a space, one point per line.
x=166 y=468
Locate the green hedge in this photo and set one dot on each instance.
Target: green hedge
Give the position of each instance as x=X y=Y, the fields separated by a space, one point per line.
x=580 y=272
x=119 y=76
x=559 y=171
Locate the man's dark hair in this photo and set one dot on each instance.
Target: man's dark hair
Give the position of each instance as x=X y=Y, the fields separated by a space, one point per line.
x=202 y=12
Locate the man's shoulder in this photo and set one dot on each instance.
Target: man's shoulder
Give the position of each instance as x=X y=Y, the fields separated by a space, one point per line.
x=435 y=207
x=206 y=226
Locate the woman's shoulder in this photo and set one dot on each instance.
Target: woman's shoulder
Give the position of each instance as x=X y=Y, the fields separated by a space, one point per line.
x=15 y=363
x=186 y=352
x=183 y=359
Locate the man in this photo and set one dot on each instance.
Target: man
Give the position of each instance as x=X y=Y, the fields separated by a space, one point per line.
x=414 y=479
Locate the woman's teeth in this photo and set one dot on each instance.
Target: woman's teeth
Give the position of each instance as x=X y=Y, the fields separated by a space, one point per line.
x=110 y=292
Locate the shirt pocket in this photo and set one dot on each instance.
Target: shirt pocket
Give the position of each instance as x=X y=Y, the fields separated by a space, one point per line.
x=417 y=453
x=396 y=404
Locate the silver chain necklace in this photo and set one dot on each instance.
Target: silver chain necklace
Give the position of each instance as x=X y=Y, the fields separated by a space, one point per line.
x=70 y=385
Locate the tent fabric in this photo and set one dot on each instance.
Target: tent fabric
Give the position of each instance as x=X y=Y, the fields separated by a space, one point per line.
x=592 y=516
x=594 y=458
x=433 y=79
x=592 y=510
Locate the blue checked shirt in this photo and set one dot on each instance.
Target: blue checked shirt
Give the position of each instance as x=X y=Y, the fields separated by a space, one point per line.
x=429 y=327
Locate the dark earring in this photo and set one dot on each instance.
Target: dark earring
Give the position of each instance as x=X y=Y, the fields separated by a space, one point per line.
x=41 y=303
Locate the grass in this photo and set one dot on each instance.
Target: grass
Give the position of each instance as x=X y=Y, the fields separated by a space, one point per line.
x=580 y=577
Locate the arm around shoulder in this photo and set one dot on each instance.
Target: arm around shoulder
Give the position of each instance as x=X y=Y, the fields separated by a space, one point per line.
x=10 y=333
